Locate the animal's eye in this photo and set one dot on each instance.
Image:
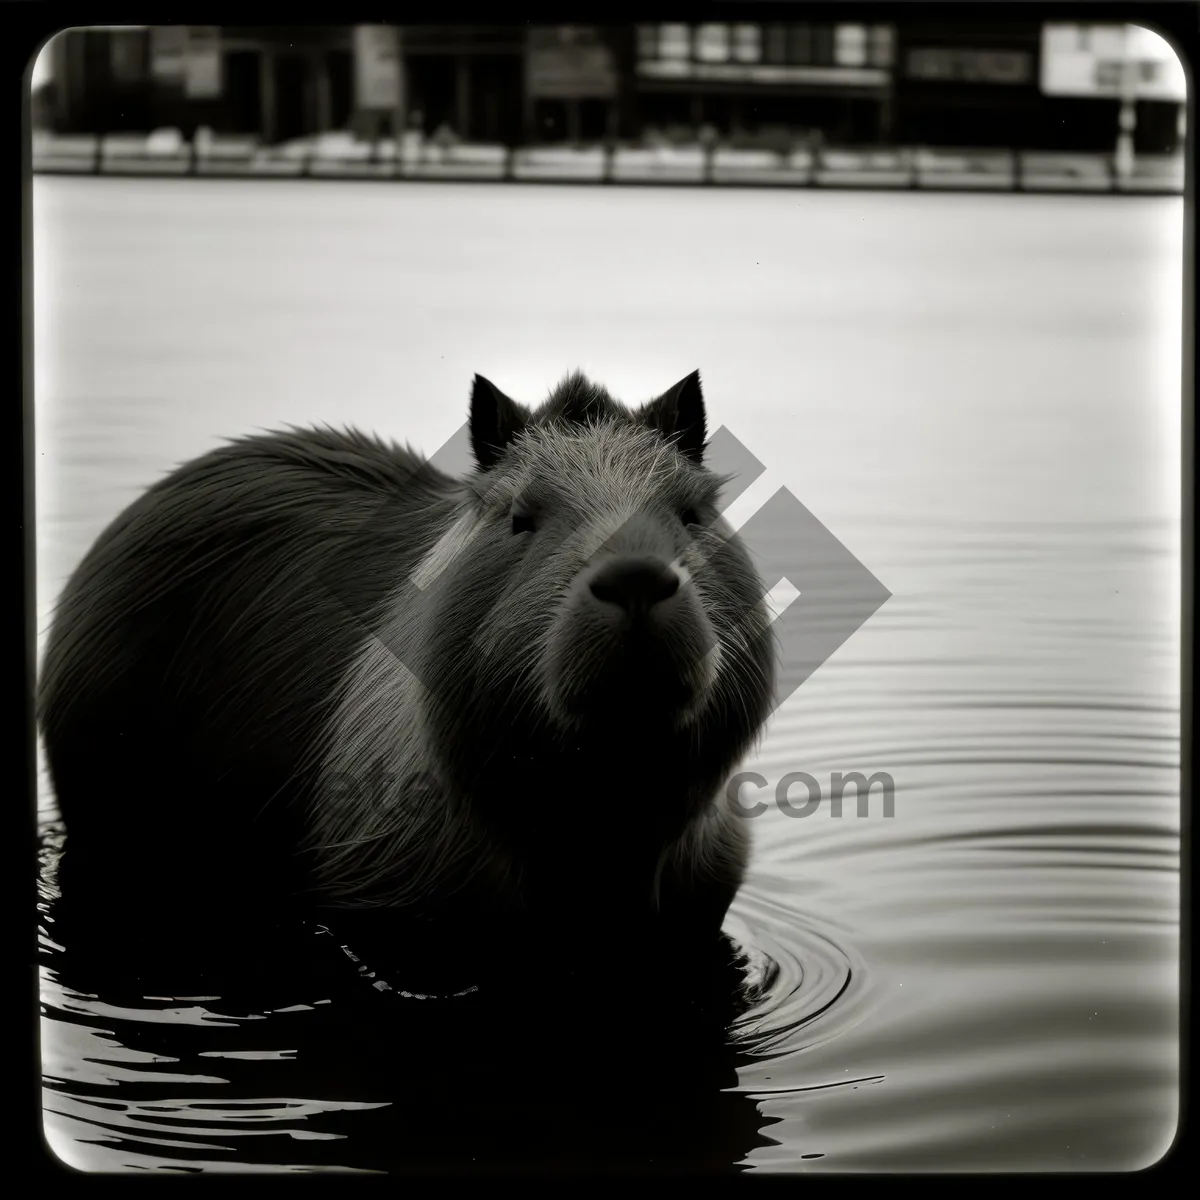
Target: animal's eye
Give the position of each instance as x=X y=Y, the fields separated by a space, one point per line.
x=690 y=516
x=522 y=523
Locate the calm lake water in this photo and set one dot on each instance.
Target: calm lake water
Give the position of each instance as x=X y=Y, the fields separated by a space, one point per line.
x=978 y=395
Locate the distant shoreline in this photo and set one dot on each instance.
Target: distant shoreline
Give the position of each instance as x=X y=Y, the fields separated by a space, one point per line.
x=890 y=169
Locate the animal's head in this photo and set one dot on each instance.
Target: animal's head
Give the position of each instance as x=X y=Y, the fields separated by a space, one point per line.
x=589 y=586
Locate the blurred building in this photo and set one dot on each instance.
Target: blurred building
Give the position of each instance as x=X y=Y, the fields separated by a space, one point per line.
x=916 y=82
x=284 y=83
x=969 y=84
x=750 y=79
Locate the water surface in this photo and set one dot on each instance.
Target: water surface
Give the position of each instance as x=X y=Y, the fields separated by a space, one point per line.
x=979 y=395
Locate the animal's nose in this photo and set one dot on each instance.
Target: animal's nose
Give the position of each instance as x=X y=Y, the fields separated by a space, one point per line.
x=635 y=584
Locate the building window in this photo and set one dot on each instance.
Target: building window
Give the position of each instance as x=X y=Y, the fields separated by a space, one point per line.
x=882 y=43
x=823 y=45
x=127 y=55
x=970 y=66
x=674 y=42
x=776 y=49
x=800 y=47
x=850 y=45
x=712 y=43
x=747 y=43
x=647 y=41
x=930 y=63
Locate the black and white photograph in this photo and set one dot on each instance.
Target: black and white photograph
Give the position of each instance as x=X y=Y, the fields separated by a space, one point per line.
x=610 y=600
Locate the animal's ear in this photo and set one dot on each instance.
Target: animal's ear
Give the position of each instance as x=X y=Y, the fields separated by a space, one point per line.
x=678 y=414
x=495 y=421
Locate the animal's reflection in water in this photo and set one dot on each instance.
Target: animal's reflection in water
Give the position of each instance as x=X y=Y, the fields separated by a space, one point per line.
x=528 y=1059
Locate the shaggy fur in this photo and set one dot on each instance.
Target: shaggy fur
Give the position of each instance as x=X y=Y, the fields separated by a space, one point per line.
x=309 y=664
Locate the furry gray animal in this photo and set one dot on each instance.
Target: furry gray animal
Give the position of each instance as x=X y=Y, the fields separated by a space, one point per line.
x=308 y=664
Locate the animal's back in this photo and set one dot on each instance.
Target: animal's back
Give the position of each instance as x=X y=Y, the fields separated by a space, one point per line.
x=244 y=696
x=198 y=647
